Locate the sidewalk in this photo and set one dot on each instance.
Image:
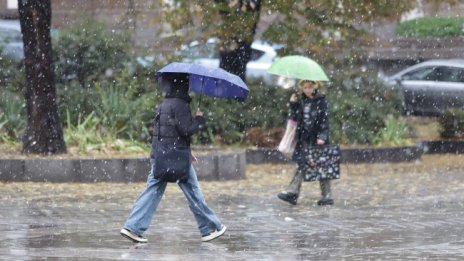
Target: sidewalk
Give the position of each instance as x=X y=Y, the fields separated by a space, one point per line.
x=405 y=211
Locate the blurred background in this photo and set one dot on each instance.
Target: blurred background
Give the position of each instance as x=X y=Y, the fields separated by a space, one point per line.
x=105 y=52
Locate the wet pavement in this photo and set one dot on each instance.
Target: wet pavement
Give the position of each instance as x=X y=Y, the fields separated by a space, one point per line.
x=406 y=211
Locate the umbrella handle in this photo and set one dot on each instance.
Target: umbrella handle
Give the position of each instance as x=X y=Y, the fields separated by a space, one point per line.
x=199 y=102
x=201 y=94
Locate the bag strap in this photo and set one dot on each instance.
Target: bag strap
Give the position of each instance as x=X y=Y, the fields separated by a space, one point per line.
x=158 y=119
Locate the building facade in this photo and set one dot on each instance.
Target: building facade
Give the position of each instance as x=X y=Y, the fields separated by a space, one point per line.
x=8 y=9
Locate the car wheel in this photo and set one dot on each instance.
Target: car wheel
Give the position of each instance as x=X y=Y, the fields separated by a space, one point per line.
x=407 y=110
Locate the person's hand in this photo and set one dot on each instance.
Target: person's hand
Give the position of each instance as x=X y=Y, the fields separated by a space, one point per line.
x=320 y=142
x=293 y=98
x=194 y=159
x=199 y=113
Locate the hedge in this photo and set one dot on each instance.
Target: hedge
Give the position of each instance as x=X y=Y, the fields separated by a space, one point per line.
x=432 y=27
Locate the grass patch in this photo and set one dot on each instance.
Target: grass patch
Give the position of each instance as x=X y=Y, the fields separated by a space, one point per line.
x=424 y=128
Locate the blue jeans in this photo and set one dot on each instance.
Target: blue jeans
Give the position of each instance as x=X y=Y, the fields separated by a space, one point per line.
x=146 y=204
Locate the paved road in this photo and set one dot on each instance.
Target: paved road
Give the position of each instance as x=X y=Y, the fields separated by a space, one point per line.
x=407 y=211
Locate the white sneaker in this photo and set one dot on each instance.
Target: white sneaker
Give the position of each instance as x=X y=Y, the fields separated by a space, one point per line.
x=214 y=234
x=132 y=236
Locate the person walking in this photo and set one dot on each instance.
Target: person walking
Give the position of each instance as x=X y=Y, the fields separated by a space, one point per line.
x=311 y=115
x=174 y=126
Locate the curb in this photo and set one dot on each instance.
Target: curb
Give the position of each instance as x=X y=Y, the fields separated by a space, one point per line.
x=442 y=146
x=213 y=166
x=381 y=155
x=359 y=155
x=232 y=166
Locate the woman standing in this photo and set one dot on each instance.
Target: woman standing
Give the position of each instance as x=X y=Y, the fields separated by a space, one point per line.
x=311 y=114
x=174 y=126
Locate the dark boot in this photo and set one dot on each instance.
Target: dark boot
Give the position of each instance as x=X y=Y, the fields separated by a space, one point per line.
x=324 y=202
x=288 y=197
x=325 y=192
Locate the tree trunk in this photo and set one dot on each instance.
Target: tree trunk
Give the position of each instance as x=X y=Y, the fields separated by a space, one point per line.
x=44 y=134
x=235 y=61
x=237 y=52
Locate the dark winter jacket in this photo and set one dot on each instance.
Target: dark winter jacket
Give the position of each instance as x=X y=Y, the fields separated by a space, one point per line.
x=174 y=123
x=312 y=116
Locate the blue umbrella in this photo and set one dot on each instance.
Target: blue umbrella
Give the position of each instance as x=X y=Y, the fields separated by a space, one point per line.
x=209 y=81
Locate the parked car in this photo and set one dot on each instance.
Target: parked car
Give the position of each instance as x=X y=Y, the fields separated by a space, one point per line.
x=11 y=40
x=262 y=56
x=431 y=87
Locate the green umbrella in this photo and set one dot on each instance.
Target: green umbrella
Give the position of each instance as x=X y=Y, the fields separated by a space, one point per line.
x=298 y=67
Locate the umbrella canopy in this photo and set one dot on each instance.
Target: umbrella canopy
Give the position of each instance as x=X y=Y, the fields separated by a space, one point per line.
x=209 y=81
x=298 y=67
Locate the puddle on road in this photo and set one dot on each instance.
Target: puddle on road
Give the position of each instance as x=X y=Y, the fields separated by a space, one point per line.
x=382 y=211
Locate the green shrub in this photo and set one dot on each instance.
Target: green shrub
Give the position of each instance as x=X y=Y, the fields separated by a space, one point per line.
x=121 y=106
x=432 y=27
x=125 y=105
x=353 y=120
x=88 y=135
x=84 y=134
x=266 y=106
x=75 y=102
x=12 y=114
x=4 y=136
x=452 y=124
x=227 y=120
x=89 y=52
x=358 y=105
x=8 y=71
x=128 y=115
x=395 y=133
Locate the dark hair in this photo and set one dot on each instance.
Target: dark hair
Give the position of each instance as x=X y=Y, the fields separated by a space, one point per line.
x=175 y=85
x=178 y=79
